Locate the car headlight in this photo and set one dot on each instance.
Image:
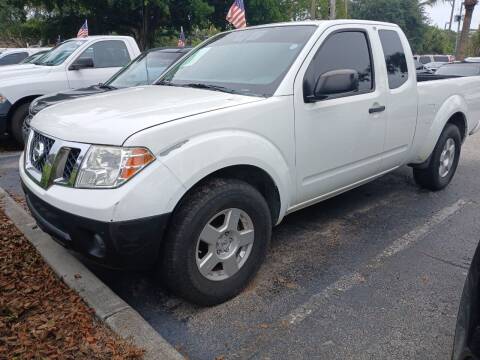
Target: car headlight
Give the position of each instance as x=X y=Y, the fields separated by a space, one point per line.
x=3 y=99
x=37 y=106
x=109 y=166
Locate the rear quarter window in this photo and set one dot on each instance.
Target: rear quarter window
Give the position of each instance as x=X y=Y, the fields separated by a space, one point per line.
x=441 y=58
x=425 y=59
x=395 y=59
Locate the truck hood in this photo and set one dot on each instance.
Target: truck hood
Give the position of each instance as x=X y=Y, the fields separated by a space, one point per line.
x=111 y=118
x=21 y=71
x=7 y=68
x=55 y=98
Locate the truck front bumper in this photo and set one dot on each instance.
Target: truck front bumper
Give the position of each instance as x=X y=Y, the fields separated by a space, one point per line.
x=132 y=244
x=4 y=109
x=3 y=124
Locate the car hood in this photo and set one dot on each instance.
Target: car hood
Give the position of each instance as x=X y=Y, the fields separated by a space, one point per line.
x=112 y=117
x=52 y=99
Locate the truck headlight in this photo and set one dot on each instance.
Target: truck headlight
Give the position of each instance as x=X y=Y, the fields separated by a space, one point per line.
x=110 y=167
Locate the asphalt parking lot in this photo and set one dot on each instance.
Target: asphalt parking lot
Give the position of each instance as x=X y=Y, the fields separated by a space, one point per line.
x=375 y=273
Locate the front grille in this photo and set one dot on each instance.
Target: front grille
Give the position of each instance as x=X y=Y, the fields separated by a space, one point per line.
x=70 y=163
x=35 y=145
x=49 y=160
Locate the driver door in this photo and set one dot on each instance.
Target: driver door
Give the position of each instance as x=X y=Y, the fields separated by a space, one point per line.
x=108 y=57
x=339 y=138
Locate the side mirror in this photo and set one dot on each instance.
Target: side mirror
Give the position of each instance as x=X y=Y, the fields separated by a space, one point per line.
x=82 y=63
x=335 y=82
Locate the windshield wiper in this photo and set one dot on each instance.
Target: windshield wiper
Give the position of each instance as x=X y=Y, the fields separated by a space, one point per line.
x=105 y=86
x=166 y=83
x=209 y=87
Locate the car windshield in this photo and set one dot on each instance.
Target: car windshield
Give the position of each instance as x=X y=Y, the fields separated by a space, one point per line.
x=459 y=70
x=249 y=62
x=144 y=70
x=60 y=53
x=33 y=57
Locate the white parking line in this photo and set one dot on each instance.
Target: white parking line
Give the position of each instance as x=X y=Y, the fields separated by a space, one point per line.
x=9 y=154
x=347 y=282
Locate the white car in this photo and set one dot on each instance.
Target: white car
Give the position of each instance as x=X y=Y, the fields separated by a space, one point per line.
x=472 y=60
x=190 y=175
x=16 y=56
x=73 y=64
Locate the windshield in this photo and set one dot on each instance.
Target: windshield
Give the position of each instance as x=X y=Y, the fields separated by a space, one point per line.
x=33 y=57
x=248 y=62
x=459 y=70
x=144 y=70
x=60 y=53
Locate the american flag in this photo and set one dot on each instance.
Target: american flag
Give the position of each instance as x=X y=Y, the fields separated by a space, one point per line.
x=236 y=14
x=181 y=39
x=83 y=32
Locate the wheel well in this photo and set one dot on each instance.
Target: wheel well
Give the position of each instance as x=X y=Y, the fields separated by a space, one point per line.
x=257 y=178
x=458 y=119
x=19 y=103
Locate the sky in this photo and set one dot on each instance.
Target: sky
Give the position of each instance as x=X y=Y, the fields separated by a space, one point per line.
x=440 y=14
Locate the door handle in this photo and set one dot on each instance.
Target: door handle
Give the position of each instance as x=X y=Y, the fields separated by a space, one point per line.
x=377 y=109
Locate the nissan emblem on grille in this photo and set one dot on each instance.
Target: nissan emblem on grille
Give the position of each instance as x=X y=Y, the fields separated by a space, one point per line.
x=38 y=152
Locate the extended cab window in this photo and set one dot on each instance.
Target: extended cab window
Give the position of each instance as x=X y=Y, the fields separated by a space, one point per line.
x=109 y=53
x=11 y=59
x=346 y=50
x=394 y=58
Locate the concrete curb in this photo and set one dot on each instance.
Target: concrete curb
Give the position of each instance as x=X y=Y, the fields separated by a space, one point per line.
x=108 y=307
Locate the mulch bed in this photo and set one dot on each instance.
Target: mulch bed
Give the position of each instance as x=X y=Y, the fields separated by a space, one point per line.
x=42 y=318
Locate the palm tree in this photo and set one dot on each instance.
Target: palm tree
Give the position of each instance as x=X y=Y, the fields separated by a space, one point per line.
x=465 y=35
x=467 y=21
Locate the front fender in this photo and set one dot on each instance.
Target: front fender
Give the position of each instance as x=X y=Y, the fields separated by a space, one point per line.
x=194 y=159
x=432 y=130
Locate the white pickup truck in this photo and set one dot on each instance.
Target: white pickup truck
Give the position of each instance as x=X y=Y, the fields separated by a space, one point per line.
x=73 y=64
x=191 y=174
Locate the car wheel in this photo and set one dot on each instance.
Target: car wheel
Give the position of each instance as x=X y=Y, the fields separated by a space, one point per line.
x=444 y=161
x=217 y=239
x=18 y=120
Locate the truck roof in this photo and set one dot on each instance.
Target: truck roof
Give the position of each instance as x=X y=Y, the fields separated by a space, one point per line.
x=92 y=37
x=319 y=23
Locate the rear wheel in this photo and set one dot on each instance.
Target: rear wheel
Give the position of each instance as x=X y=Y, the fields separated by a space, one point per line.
x=17 y=123
x=444 y=161
x=216 y=242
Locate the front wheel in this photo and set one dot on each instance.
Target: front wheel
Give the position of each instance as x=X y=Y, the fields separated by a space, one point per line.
x=216 y=242
x=444 y=161
x=18 y=121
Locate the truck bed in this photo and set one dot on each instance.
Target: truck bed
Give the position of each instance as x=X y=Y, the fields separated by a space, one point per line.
x=433 y=77
x=437 y=95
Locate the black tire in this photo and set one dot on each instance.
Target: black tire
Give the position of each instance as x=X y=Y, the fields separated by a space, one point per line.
x=16 y=125
x=179 y=268
x=430 y=178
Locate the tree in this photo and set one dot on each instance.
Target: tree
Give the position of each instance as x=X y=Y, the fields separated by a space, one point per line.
x=465 y=35
x=408 y=14
x=437 y=41
x=265 y=11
